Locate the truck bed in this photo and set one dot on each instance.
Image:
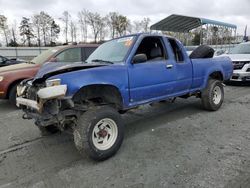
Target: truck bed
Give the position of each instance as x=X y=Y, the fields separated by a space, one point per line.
x=201 y=69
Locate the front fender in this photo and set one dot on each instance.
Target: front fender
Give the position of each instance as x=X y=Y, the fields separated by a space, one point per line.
x=114 y=75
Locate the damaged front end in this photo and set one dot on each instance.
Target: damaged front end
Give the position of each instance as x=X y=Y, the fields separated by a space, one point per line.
x=46 y=103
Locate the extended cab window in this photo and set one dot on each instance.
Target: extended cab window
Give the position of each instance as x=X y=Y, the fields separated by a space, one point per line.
x=153 y=48
x=70 y=55
x=177 y=51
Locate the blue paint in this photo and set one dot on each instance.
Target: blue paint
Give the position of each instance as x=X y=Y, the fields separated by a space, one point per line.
x=145 y=82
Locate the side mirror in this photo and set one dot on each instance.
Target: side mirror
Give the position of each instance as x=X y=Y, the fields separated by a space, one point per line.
x=140 y=58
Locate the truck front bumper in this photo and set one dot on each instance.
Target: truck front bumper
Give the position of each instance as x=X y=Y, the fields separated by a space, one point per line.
x=44 y=94
x=28 y=103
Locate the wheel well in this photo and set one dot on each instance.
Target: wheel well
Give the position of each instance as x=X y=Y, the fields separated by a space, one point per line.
x=11 y=85
x=100 y=94
x=217 y=75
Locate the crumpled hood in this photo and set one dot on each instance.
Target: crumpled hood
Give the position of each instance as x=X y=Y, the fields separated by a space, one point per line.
x=51 y=69
x=238 y=57
x=16 y=67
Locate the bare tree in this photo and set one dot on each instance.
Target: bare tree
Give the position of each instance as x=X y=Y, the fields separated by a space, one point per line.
x=122 y=25
x=73 y=31
x=102 y=28
x=112 y=21
x=26 y=30
x=54 y=31
x=145 y=24
x=36 y=20
x=46 y=21
x=141 y=26
x=82 y=17
x=66 y=20
x=4 y=28
x=137 y=27
x=13 y=42
x=45 y=28
x=94 y=19
x=118 y=24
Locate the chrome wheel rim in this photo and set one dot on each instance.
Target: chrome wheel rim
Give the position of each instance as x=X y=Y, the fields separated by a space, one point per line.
x=217 y=95
x=105 y=134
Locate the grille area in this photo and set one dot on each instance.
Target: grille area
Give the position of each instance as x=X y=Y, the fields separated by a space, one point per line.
x=239 y=64
x=31 y=93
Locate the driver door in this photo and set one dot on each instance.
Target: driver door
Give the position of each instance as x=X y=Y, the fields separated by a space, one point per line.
x=155 y=77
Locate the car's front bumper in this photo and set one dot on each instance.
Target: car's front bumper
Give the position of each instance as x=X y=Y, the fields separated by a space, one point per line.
x=3 y=90
x=239 y=75
x=2 y=95
x=242 y=74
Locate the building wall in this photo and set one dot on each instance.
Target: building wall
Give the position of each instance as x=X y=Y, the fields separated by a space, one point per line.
x=26 y=53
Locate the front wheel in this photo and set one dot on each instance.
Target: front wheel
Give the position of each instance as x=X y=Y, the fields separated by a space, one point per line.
x=213 y=95
x=99 y=133
x=12 y=95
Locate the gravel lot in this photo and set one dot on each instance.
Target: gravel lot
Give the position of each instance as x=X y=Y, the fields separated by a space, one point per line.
x=166 y=145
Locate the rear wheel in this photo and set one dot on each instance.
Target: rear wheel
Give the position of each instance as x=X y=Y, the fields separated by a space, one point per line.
x=99 y=133
x=213 y=95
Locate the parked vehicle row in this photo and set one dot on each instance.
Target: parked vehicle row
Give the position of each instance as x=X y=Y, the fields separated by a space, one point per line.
x=119 y=75
x=240 y=56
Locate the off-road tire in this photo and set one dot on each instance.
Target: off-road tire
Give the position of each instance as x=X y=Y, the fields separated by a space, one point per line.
x=207 y=95
x=84 y=129
x=202 y=51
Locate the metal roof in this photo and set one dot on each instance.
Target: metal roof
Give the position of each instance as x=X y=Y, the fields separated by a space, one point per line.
x=179 y=23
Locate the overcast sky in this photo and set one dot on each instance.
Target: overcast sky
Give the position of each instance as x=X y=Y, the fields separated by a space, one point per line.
x=231 y=11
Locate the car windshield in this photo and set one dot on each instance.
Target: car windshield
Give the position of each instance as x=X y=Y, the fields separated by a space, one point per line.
x=243 y=48
x=43 y=57
x=112 y=51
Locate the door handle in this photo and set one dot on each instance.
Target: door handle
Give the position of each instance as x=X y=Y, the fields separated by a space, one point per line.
x=169 y=66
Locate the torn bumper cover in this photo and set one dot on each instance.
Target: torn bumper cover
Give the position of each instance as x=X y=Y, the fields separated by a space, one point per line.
x=43 y=94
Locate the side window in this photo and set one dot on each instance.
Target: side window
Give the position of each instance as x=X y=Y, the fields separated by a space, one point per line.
x=70 y=55
x=177 y=51
x=88 y=51
x=153 y=48
x=1 y=60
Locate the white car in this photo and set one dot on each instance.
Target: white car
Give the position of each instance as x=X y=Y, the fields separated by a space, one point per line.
x=240 y=56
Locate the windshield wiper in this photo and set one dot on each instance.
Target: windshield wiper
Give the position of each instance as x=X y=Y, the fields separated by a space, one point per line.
x=102 y=61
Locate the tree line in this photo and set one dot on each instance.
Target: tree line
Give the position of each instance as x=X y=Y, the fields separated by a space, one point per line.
x=43 y=30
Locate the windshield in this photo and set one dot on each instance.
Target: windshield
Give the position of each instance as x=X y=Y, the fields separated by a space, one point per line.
x=43 y=57
x=112 y=51
x=243 y=48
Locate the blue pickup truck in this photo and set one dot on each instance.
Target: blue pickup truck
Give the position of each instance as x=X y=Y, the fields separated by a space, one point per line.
x=121 y=74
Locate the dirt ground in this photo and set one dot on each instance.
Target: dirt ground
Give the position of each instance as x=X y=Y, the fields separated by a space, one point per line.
x=166 y=145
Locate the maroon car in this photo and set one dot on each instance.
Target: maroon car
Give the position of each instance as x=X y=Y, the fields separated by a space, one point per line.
x=11 y=76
